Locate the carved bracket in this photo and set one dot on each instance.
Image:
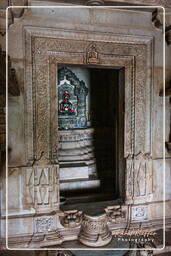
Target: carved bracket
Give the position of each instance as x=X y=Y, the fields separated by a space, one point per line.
x=71 y=219
x=115 y=213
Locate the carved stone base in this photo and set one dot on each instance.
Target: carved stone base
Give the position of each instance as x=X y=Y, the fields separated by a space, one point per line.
x=94 y=231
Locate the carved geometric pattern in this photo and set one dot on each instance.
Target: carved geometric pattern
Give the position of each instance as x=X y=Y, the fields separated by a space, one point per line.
x=42 y=186
x=139 y=175
x=44 y=224
x=140 y=213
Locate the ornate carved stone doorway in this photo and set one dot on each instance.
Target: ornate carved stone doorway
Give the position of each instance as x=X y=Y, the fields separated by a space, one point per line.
x=44 y=53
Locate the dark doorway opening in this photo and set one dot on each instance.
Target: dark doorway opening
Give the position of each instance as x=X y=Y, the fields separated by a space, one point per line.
x=105 y=143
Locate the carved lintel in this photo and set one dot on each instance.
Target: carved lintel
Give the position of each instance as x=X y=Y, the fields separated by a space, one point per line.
x=92 y=56
x=71 y=219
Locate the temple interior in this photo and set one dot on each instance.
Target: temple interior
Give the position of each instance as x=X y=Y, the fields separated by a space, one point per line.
x=88 y=123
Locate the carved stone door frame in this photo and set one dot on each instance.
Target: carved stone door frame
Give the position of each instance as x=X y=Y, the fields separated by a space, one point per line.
x=45 y=49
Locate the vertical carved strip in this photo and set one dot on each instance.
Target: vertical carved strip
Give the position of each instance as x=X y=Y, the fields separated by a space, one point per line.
x=53 y=110
x=148 y=98
x=128 y=114
x=28 y=122
x=140 y=101
x=42 y=113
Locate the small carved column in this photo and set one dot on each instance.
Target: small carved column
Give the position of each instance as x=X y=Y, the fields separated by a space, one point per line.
x=94 y=231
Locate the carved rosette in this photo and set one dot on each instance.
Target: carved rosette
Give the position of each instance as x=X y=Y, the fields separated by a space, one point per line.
x=94 y=231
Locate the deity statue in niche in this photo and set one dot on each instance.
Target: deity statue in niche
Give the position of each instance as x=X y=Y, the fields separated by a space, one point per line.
x=66 y=107
x=72 y=94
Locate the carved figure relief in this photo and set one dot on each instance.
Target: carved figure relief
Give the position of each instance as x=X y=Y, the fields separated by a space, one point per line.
x=91 y=54
x=66 y=107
